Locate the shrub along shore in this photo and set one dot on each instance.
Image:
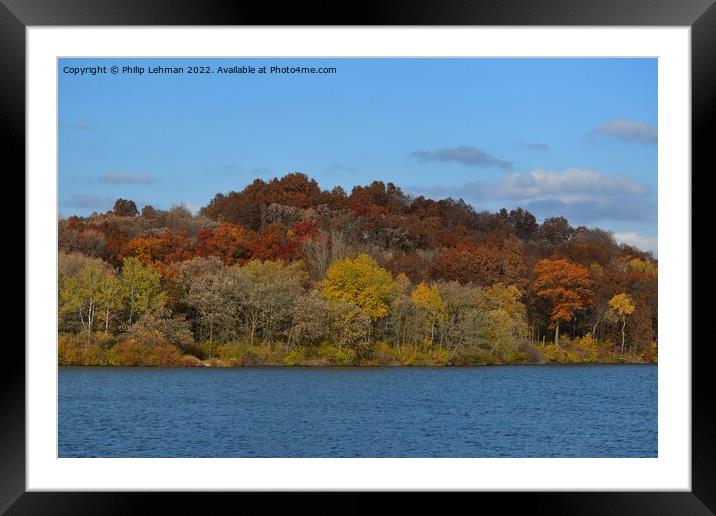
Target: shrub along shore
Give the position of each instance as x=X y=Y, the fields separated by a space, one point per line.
x=152 y=351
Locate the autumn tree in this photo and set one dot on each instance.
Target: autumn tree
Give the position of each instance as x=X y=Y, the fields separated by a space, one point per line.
x=249 y=207
x=147 y=249
x=149 y=212
x=244 y=208
x=402 y=310
x=349 y=324
x=646 y=267
x=638 y=276
x=73 y=239
x=622 y=305
x=483 y=265
x=175 y=247
x=309 y=319
x=566 y=285
x=429 y=306
x=266 y=292
x=228 y=242
x=207 y=289
x=322 y=249
x=524 y=223
x=600 y=298
x=362 y=282
x=555 y=231
x=379 y=194
x=180 y=220
x=125 y=208
x=415 y=266
x=589 y=246
x=460 y=327
x=503 y=317
x=161 y=327
x=359 y=282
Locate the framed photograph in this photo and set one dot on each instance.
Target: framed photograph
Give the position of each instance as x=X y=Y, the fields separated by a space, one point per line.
x=426 y=249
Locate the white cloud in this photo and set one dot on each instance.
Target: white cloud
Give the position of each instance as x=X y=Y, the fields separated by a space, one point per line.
x=569 y=185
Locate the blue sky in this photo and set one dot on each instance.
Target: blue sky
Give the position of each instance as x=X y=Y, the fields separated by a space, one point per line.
x=573 y=137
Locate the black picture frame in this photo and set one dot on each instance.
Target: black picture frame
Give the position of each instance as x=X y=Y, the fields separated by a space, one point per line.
x=700 y=15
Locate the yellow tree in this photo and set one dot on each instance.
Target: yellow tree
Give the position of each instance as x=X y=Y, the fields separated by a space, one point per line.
x=429 y=303
x=362 y=282
x=622 y=305
x=503 y=317
x=647 y=267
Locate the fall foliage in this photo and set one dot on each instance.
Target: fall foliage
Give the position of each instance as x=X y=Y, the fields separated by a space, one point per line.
x=361 y=282
x=622 y=305
x=567 y=287
x=283 y=272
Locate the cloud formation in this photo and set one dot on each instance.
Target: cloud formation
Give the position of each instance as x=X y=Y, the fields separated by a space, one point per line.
x=571 y=183
x=583 y=196
x=118 y=178
x=535 y=146
x=465 y=155
x=88 y=201
x=627 y=130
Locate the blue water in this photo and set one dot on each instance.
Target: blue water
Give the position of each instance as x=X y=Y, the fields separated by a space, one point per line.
x=521 y=411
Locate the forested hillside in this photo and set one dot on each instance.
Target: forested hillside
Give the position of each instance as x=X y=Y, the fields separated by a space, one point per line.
x=284 y=273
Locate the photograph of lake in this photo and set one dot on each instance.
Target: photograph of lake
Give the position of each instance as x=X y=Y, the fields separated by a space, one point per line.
x=357 y=257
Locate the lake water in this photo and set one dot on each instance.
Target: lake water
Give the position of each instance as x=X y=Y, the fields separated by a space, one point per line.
x=519 y=411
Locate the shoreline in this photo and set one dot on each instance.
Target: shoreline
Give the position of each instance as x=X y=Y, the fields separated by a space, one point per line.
x=337 y=366
x=157 y=352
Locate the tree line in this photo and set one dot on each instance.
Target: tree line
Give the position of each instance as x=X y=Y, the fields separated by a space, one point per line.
x=283 y=272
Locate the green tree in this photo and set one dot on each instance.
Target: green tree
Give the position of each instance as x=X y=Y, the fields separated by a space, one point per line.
x=89 y=289
x=141 y=289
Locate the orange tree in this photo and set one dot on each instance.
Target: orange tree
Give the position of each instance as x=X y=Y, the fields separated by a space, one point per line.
x=566 y=286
